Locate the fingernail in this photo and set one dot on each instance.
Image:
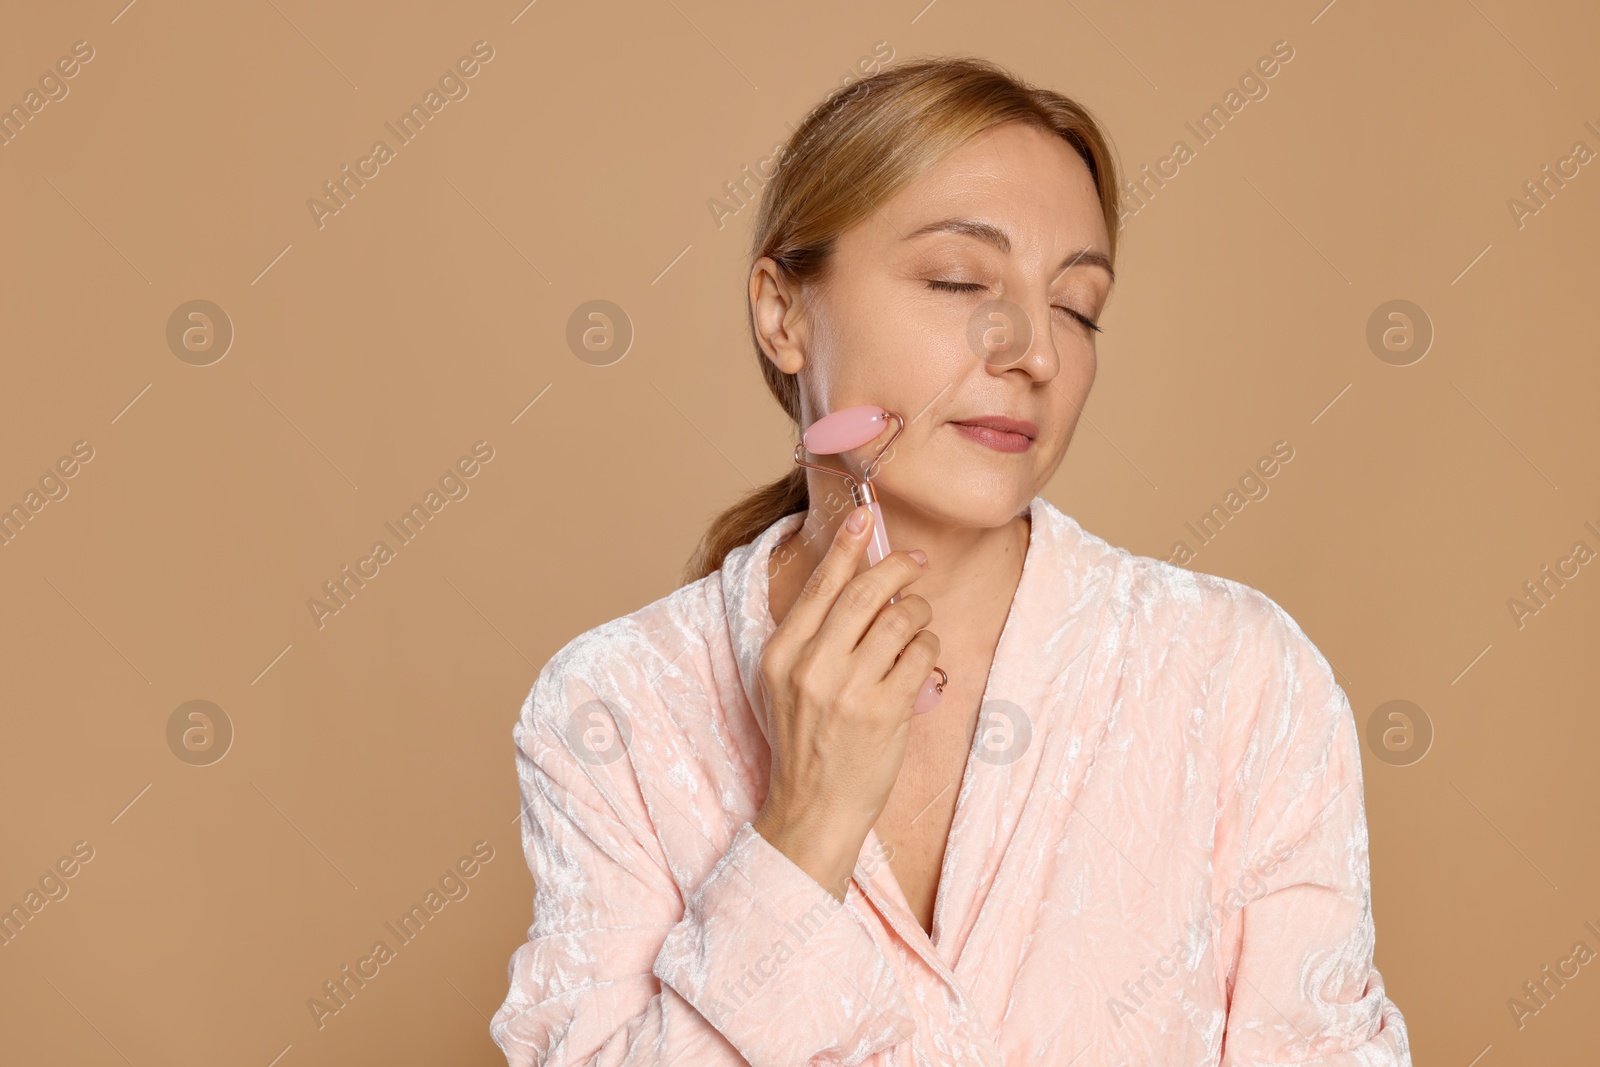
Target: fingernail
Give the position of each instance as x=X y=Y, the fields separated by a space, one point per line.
x=930 y=696
x=857 y=520
x=919 y=555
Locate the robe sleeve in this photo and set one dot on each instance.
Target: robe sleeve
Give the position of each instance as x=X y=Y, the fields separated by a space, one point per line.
x=756 y=964
x=1295 y=895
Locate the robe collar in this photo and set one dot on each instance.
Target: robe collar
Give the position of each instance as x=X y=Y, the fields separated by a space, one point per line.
x=1068 y=622
x=1046 y=575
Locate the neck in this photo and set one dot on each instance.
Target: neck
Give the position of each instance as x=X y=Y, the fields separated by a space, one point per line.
x=972 y=573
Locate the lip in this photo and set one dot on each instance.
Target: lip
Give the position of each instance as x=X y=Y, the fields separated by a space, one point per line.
x=998 y=432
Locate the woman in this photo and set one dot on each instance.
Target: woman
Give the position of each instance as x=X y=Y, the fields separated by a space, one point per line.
x=1131 y=828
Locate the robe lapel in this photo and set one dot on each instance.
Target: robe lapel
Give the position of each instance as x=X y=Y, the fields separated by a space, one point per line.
x=1066 y=643
x=744 y=598
x=1028 y=724
x=1028 y=736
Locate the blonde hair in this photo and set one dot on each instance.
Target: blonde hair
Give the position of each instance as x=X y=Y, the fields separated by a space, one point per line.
x=854 y=150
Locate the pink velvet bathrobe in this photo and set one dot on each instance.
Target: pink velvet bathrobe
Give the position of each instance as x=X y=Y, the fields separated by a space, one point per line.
x=1158 y=857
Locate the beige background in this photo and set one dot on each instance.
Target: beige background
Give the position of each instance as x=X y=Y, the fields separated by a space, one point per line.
x=372 y=753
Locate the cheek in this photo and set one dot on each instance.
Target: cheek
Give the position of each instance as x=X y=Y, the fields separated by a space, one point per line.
x=1080 y=376
x=1079 y=365
x=890 y=353
x=1079 y=362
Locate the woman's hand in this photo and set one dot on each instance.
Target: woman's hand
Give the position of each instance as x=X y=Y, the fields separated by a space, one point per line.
x=840 y=703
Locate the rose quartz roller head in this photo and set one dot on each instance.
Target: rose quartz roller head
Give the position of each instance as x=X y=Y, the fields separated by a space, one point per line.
x=842 y=431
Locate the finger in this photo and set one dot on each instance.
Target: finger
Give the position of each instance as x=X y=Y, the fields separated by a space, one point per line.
x=822 y=588
x=887 y=637
x=913 y=675
x=863 y=597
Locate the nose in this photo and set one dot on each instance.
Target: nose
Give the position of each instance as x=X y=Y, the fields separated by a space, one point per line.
x=1015 y=340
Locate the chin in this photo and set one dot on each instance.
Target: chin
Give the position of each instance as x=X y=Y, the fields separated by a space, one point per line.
x=979 y=499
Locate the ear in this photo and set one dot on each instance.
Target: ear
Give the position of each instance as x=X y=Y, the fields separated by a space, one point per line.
x=779 y=316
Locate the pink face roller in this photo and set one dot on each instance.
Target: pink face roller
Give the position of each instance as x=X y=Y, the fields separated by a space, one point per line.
x=850 y=428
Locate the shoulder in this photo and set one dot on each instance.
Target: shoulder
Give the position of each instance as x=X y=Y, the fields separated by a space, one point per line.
x=1230 y=626
x=621 y=669
x=1227 y=614
x=1272 y=694
x=1268 y=682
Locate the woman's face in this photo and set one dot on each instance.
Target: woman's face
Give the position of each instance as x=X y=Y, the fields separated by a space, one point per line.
x=960 y=297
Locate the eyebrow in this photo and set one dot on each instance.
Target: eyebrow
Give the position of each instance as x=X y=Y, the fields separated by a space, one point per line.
x=984 y=231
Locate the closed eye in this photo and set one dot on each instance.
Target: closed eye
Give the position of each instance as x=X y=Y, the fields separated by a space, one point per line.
x=967 y=287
